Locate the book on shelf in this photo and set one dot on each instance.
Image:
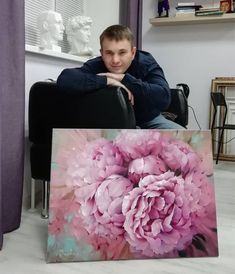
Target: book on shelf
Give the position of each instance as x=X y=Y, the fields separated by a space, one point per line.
x=185 y=13
x=194 y=7
x=208 y=8
x=186 y=4
x=186 y=9
x=209 y=13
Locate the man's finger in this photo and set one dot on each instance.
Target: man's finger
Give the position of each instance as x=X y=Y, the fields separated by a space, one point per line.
x=130 y=95
x=102 y=74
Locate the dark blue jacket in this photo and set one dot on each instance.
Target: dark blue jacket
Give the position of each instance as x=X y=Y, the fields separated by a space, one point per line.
x=144 y=78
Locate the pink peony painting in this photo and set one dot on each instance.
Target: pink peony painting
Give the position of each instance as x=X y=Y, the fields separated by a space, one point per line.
x=131 y=194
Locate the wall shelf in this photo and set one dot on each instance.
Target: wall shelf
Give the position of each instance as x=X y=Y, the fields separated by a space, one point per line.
x=189 y=20
x=60 y=55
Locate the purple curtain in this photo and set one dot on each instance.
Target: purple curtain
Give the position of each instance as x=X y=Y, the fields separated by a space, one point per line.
x=11 y=113
x=131 y=16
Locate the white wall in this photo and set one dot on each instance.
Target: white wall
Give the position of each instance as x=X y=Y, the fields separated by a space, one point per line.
x=103 y=13
x=193 y=54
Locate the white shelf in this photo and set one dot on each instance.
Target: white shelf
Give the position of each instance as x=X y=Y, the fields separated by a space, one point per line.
x=189 y=20
x=61 y=55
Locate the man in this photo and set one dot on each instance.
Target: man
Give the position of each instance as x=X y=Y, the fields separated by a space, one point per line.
x=50 y=24
x=78 y=30
x=120 y=64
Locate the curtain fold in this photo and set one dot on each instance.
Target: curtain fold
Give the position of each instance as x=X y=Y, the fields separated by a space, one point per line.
x=1 y=232
x=12 y=90
x=131 y=16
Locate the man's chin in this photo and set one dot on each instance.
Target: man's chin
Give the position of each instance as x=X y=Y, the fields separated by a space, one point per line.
x=117 y=71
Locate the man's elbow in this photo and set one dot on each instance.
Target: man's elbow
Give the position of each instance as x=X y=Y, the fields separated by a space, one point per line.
x=166 y=99
x=63 y=79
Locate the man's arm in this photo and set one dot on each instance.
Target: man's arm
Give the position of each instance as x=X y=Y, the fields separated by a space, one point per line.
x=87 y=78
x=154 y=87
x=115 y=80
x=80 y=80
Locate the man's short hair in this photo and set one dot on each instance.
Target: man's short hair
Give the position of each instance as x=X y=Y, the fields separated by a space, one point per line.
x=117 y=33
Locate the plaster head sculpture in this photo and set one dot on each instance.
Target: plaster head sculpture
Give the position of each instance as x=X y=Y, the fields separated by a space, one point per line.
x=78 y=30
x=51 y=29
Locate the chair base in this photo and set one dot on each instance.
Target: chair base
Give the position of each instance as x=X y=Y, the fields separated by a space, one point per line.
x=45 y=198
x=44 y=214
x=32 y=198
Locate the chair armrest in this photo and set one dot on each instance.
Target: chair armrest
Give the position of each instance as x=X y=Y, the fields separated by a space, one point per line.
x=178 y=108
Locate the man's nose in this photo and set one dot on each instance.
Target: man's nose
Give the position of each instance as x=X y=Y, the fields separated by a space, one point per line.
x=116 y=58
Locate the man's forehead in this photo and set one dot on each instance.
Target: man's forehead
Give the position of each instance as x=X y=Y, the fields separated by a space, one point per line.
x=117 y=44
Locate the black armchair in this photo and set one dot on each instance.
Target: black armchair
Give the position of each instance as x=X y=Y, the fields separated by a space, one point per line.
x=178 y=108
x=51 y=108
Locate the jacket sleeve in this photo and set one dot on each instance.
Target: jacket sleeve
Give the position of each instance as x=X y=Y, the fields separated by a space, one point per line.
x=152 y=87
x=80 y=80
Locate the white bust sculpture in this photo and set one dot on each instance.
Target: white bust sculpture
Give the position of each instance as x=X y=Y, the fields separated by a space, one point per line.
x=51 y=29
x=78 y=35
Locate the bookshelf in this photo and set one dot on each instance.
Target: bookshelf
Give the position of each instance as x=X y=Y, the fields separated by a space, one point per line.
x=189 y=20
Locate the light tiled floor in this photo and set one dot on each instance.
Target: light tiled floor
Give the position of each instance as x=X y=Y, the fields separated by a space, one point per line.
x=24 y=249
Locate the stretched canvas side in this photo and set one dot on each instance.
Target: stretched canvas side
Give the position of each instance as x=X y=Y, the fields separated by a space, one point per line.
x=131 y=194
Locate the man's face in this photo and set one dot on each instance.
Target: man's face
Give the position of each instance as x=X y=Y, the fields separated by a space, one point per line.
x=117 y=55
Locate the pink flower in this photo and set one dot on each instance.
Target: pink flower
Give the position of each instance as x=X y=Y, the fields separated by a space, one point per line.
x=102 y=212
x=160 y=214
x=141 y=167
x=135 y=144
x=200 y=194
x=179 y=156
x=98 y=160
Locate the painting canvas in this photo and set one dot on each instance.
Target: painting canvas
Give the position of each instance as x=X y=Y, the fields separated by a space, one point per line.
x=131 y=194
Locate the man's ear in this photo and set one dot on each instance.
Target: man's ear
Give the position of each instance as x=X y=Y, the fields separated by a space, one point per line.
x=133 y=52
x=101 y=51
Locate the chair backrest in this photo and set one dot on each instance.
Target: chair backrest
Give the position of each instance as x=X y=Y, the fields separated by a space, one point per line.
x=50 y=107
x=218 y=99
x=179 y=106
x=185 y=88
